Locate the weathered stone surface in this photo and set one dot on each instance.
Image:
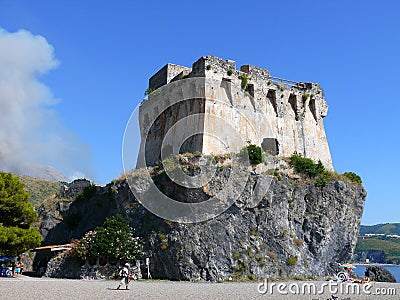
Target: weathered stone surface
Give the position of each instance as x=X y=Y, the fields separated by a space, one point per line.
x=74 y=188
x=376 y=273
x=316 y=227
x=221 y=108
x=295 y=229
x=62 y=266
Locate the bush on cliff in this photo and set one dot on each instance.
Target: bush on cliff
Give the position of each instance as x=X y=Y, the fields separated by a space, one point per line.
x=317 y=170
x=254 y=153
x=306 y=165
x=353 y=177
x=112 y=241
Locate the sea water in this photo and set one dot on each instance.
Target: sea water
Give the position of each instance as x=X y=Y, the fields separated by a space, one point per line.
x=395 y=270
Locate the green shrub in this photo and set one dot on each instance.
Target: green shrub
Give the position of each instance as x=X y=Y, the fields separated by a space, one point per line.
x=208 y=67
x=254 y=153
x=229 y=72
x=323 y=179
x=148 y=91
x=353 y=177
x=306 y=165
x=244 y=79
x=113 y=240
x=305 y=97
x=251 y=277
x=291 y=261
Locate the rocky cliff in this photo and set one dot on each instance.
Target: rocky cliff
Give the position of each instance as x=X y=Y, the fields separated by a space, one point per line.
x=296 y=229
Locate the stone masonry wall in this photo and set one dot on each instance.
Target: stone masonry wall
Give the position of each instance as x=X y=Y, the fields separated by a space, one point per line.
x=290 y=113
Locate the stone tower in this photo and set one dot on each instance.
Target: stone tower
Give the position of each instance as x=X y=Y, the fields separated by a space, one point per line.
x=213 y=108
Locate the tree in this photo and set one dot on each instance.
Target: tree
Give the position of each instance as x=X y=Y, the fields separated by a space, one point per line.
x=16 y=217
x=253 y=152
x=113 y=240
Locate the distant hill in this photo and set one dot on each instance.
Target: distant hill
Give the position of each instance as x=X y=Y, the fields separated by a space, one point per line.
x=388 y=228
x=384 y=248
x=37 y=171
x=40 y=189
x=378 y=249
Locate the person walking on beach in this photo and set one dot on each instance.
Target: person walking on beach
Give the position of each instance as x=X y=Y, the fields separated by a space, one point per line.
x=125 y=276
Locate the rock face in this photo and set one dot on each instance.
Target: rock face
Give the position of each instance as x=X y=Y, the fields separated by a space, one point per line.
x=74 y=188
x=63 y=266
x=376 y=273
x=296 y=229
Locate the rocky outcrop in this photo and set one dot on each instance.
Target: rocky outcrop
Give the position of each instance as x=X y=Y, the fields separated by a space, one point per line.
x=62 y=266
x=376 y=273
x=296 y=229
x=74 y=188
x=62 y=219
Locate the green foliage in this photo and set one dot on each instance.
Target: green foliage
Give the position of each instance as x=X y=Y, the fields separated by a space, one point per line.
x=353 y=177
x=323 y=179
x=306 y=166
x=208 y=67
x=15 y=240
x=251 y=277
x=170 y=163
x=254 y=154
x=148 y=91
x=17 y=215
x=390 y=246
x=113 y=240
x=39 y=190
x=83 y=248
x=229 y=72
x=15 y=209
x=163 y=241
x=244 y=79
x=291 y=261
x=305 y=97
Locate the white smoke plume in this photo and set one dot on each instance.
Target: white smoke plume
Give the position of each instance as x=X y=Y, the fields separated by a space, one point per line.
x=32 y=138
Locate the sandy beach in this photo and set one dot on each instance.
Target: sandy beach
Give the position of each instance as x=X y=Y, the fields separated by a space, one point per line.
x=47 y=288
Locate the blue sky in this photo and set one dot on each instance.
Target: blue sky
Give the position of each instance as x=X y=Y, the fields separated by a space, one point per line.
x=107 y=50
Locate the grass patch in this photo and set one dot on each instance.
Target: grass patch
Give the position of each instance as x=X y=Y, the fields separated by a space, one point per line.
x=291 y=261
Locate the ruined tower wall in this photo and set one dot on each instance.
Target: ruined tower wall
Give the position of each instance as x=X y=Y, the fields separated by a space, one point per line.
x=281 y=116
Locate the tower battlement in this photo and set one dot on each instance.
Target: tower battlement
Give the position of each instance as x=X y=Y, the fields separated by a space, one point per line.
x=282 y=116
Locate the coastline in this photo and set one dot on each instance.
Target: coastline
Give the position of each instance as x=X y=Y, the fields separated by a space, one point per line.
x=374 y=264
